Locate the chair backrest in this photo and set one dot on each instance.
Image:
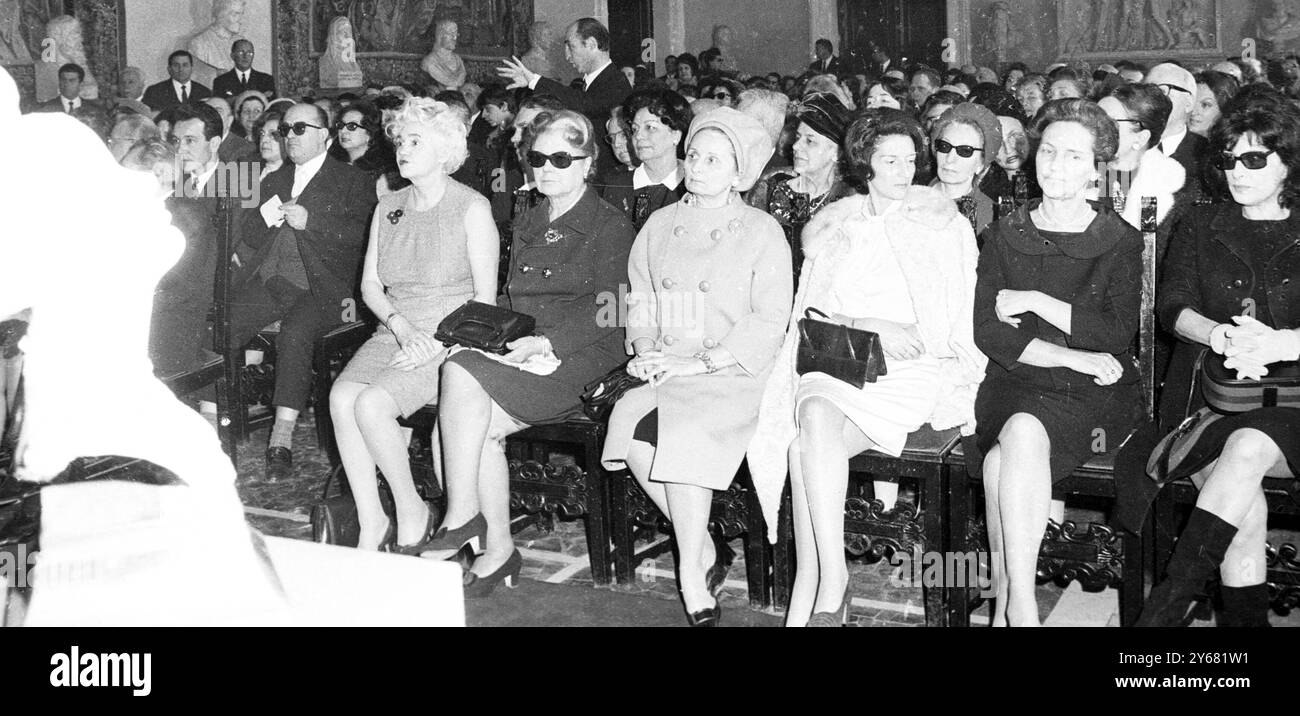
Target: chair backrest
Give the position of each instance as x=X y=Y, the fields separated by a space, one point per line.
x=227 y=384
x=1147 y=329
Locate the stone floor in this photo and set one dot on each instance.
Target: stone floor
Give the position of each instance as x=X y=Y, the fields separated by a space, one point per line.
x=560 y=556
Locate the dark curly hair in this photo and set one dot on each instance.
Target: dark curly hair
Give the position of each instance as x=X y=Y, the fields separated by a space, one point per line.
x=670 y=107
x=873 y=125
x=1148 y=105
x=1275 y=122
x=1084 y=112
x=898 y=89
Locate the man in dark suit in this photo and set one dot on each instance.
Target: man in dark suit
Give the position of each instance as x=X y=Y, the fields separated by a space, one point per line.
x=586 y=46
x=305 y=263
x=1177 y=142
x=69 y=100
x=178 y=88
x=826 y=63
x=243 y=77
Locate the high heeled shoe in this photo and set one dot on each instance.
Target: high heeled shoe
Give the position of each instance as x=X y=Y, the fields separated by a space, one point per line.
x=717 y=574
x=389 y=542
x=430 y=531
x=472 y=533
x=477 y=587
x=710 y=617
x=835 y=618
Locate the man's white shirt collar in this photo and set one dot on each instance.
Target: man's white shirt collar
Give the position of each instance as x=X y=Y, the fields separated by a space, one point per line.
x=202 y=180
x=305 y=172
x=1169 y=144
x=588 y=79
x=176 y=87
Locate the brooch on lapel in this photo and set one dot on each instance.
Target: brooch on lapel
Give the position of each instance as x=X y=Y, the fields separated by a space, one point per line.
x=395 y=216
x=551 y=236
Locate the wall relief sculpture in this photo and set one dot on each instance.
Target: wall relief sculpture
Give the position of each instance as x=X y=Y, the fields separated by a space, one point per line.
x=409 y=27
x=1106 y=28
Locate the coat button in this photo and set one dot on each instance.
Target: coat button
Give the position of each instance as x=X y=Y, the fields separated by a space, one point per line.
x=668 y=283
x=679 y=231
x=716 y=234
x=704 y=286
x=669 y=340
x=710 y=343
x=546 y=273
x=525 y=268
x=1238 y=283
x=1285 y=281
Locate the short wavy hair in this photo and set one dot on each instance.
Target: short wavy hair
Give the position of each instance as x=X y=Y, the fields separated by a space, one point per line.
x=671 y=108
x=449 y=130
x=1223 y=86
x=1084 y=112
x=1275 y=122
x=573 y=127
x=1148 y=105
x=873 y=125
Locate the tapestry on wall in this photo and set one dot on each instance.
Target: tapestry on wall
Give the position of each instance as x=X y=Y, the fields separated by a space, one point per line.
x=486 y=27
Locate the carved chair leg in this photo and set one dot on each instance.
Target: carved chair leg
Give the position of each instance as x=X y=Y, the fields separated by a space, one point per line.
x=621 y=523
x=958 y=494
x=1130 y=587
x=933 y=506
x=597 y=518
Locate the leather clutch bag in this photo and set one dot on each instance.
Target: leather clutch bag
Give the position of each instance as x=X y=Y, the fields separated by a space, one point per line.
x=484 y=326
x=852 y=355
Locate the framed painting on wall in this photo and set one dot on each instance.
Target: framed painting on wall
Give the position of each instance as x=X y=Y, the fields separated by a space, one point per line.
x=1117 y=29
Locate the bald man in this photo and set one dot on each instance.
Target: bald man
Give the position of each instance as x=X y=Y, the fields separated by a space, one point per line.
x=1177 y=143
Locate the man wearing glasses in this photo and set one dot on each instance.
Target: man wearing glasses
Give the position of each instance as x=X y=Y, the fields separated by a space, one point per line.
x=1177 y=143
x=242 y=77
x=309 y=238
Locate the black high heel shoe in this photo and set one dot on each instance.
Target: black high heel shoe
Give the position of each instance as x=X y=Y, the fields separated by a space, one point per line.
x=389 y=542
x=477 y=587
x=706 y=617
x=835 y=618
x=472 y=533
x=430 y=531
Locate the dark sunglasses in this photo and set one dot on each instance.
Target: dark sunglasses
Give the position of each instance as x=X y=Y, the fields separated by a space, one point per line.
x=298 y=128
x=1253 y=160
x=1138 y=122
x=1166 y=87
x=561 y=160
x=965 y=151
x=350 y=126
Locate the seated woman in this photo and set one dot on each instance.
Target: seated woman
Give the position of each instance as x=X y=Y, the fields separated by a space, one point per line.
x=1011 y=177
x=966 y=139
x=710 y=277
x=659 y=120
x=1225 y=260
x=569 y=256
x=1213 y=92
x=1056 y=311
x=1031 y=92
x=815 y=181
x=433 y=247
x=249 y=106
x=1140 y=112
x=270 y=146
x=891 y=93
x=499 y=107
x=899 y=261
x=361 y=141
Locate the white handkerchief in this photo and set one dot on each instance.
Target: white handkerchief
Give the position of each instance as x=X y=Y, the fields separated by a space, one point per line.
x=271 y=212
x=543 y=364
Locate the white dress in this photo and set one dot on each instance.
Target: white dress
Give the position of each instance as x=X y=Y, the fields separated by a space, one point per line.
x=870 y=284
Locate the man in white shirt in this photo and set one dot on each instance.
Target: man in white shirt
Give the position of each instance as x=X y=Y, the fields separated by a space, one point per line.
x=179 y=88
x=1177 y=143
x=586 y=47
x=242 y=77
x=69 y=100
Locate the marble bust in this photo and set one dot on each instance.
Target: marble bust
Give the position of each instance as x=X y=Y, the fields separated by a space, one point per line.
x=65 y=30
x=338 y=66
x=540 y=40
x=211 y=46
x=442 y=63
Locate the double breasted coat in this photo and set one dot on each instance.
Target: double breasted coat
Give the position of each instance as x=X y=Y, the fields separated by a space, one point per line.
x=699 y=279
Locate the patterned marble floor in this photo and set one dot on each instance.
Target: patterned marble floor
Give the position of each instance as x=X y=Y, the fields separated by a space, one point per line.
x=560 y=556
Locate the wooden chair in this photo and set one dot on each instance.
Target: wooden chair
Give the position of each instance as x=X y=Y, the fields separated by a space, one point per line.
x=1099 y=555
x=735 y=513
x=555 y=472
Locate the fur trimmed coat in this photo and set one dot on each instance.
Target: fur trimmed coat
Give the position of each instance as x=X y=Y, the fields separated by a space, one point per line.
x=936 y=251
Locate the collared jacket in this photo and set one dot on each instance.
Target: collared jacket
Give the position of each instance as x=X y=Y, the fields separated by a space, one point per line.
x=1098 y=272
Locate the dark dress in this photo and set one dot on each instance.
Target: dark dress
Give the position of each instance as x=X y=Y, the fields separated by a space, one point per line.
x=1218 y=261
x=794 y=209
x=1098 y=272
x=566 y=274
x=615 y=187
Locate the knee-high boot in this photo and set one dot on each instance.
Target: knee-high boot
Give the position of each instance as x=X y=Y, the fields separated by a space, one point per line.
x=1196 y=558
x=1244 y=606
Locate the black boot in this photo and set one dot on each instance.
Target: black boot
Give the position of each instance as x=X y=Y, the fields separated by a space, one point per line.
x=1244 y=606
x=1196 y=558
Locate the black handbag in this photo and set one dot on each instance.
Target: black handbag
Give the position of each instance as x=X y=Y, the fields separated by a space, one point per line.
x=484 y=326
x=852 y=355
x=334 y=517
x=1225 y=393
x=599 y=396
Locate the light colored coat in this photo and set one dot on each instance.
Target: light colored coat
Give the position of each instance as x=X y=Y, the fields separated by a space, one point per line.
x=702 y=278
x=935 y=248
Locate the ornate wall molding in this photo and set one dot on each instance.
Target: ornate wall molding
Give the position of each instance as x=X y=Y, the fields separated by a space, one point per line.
x=101 y=25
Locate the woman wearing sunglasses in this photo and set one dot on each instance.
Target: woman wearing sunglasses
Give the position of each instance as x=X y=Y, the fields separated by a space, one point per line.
x=1139 y=169
x=266 y=132
x=1231 y=283
x=709 y=301
x=659 y=120
x=1056 y=311
x=360 y=140
x=433 y=246
x=899 y=261
x=568 y=258
x=966 y=139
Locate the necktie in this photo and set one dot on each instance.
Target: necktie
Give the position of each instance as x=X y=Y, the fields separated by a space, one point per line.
x=185 y=94
x=243 y=80
x=67 y=106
